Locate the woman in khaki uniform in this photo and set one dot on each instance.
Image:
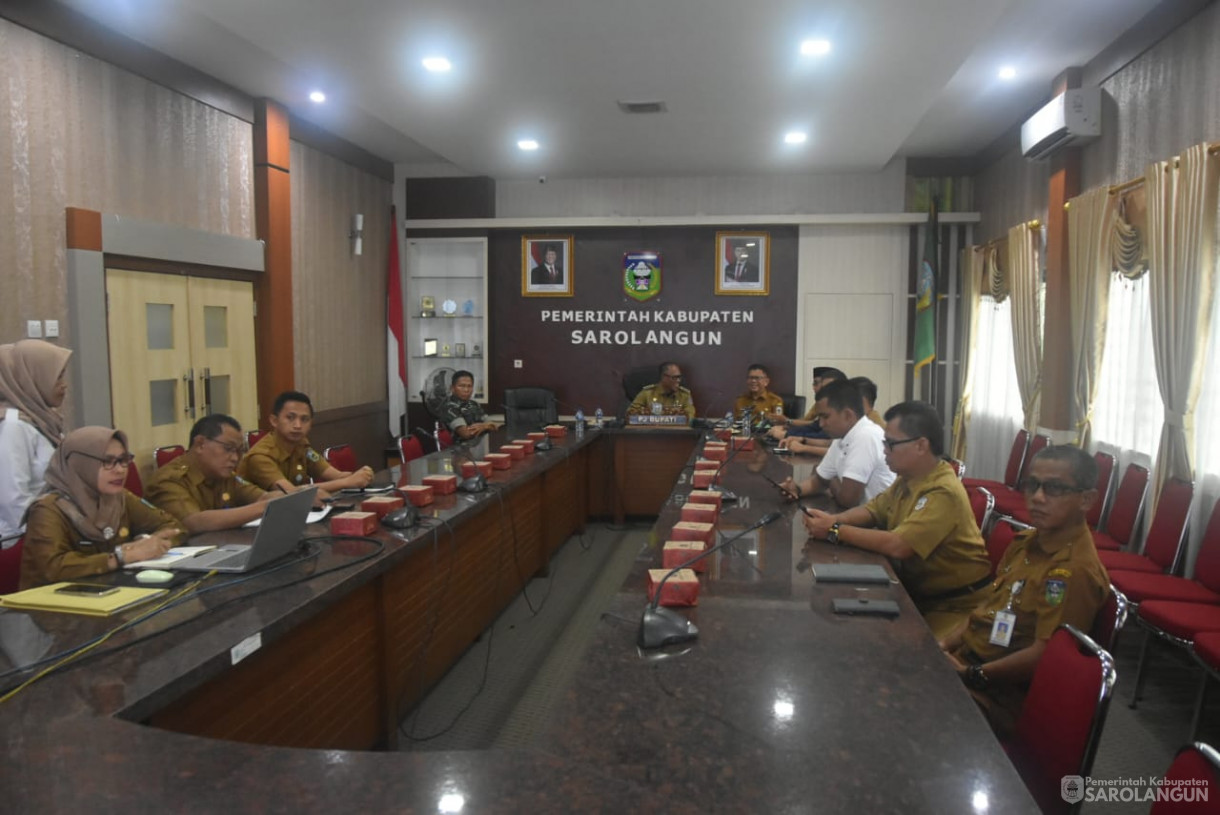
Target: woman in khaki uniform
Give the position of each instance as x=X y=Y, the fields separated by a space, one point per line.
x=86 y=523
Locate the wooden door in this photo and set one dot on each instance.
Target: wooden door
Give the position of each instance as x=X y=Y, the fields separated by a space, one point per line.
x=222 y=348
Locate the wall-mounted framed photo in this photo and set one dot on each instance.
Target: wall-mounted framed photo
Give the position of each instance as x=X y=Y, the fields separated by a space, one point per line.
x=743 y=263
x=546 y=265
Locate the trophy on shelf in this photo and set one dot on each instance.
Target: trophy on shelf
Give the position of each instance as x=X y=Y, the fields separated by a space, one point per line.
x=446 y=351
x=449 y=307
x=430 y=347
x=459 y=349
x=478 y=352
x=468 y=308
x=427 y=306
x=478 y=391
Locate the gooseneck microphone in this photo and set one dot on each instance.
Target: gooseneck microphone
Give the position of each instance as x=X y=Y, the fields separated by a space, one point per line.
x=664 y=626
x=726 y=494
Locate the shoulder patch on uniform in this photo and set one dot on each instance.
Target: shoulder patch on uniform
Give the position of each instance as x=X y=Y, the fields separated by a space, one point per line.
x=312 y=455
x=1054 y=591
x=1064 y=573
x=145 y=502
x=921 y=503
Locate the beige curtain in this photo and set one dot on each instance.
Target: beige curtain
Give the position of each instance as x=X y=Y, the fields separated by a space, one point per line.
x=1090 y=233
x=972 y=292
x=1025 y=280
x=1182 y=282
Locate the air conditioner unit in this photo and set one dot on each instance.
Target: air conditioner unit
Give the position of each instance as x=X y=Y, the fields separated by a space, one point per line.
x=1072 y=117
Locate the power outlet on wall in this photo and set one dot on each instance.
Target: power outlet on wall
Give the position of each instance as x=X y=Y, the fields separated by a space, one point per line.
x=33 y=329
x=517 y=363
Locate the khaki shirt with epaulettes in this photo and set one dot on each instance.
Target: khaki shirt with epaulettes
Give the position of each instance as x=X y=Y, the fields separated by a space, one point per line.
x=53 y=548
x=679 y=401
x=933 y=516
x=1068 y=585
x=765 y=402
x=268 y=462
x=181 y=489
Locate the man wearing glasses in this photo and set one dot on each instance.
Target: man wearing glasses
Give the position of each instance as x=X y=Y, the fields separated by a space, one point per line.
x=923 y=521
x=200 y=487
x=666 y=396
x=758 y=399
x=1049 y=576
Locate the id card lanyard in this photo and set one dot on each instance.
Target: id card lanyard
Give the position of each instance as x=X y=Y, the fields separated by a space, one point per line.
x=1006 y=620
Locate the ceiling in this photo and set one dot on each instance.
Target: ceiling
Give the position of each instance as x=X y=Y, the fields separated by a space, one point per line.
x=916 y=78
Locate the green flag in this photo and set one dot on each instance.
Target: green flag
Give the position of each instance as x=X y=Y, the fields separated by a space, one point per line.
x=925 y=297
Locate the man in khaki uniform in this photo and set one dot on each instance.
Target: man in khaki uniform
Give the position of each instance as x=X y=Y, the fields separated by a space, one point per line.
x=923 y=521
x=284 y=460
x=200 y=488
x=668 y=393
x=758 y=399
x=1049 y=576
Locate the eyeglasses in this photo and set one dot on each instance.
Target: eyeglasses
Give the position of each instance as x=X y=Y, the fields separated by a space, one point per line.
x=677 y=377
x=230 y=449
x=110 y=462
x=1051 y=489
x=755 y=378
x=892 y=443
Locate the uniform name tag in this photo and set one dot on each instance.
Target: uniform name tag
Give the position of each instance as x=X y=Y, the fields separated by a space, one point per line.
x=1001 y=629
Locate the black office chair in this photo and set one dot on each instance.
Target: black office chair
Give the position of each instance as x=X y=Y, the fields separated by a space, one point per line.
x=637 y=379
x=530 y=407
x=794 y=406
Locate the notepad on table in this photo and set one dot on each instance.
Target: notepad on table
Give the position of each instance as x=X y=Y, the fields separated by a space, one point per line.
x=850 y=573
x=313 y=517
x=46 y=598
x=170 y=558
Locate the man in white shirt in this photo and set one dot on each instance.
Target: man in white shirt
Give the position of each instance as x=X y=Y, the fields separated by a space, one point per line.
x=854 y=469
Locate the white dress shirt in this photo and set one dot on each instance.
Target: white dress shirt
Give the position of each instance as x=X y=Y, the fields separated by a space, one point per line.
x=24 y=456
x=859 y=456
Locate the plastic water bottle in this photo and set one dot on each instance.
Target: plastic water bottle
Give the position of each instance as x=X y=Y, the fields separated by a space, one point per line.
x=728 y=419
x=580 y=422
x=598 y=418
x=656 y=407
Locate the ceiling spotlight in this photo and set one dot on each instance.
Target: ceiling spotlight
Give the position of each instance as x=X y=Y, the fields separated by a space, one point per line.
x=815 y=48
x=437 y=64
x=528 y=144
x=317 y=97
x=1008 y=72
x=795 y=137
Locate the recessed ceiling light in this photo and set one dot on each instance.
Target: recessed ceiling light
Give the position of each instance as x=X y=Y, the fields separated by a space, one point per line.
x=1008 y=72
x=437 y=64
x=317 y=96
x=815 y=48
x=795 y=137
x=528 y=144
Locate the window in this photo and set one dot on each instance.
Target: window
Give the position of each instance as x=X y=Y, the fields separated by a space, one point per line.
x=1127 y=411
x=995 y=401
x=1207 y=441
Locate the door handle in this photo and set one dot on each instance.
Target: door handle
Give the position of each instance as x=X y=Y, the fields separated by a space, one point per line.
x=189 y=379
x=205 y=379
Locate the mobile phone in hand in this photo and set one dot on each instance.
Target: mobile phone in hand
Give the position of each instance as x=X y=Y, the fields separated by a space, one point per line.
x=789 y=495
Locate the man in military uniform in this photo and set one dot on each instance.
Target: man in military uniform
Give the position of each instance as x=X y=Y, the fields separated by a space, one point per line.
x=668 y=393
x=923 y=521
x=200 y=487
x=462 y=415
x=283 y=459
x=758 y=399
x=1049 y=576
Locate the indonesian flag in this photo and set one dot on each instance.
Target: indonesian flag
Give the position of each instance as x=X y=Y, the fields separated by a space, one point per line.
x=396 y=361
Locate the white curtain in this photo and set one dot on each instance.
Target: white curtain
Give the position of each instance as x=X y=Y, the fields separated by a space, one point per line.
x=972 y=291
x=1090 y=224
x=1025 y=280
x=1207 y=439
x=995 y=402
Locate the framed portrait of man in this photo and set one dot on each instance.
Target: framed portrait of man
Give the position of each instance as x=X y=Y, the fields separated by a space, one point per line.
x=743 y=263
x=546 y=265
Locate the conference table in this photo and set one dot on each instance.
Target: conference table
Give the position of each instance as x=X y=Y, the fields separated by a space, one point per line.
x=283 y=690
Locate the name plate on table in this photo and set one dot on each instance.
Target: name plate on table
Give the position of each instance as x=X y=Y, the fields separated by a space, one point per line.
x=651 y=420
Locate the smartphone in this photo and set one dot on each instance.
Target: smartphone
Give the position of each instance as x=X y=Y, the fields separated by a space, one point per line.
x=790 y=496
x=87 y=589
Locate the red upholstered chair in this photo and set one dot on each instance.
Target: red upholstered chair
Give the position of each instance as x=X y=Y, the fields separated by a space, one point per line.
x=253 y=437
x=981 y=502
x=1063 y=716
x=1105 y=479
x=409 y=449
x=1012 y=472
x=1010 y=501
x=1204 y=587
x=341 y=457
x=1206 y=650
x=1196 y=770
x=10 y=563
x=446 y=438
x=164 y=455
x=1173 y=622
x=958 y=466
x=132 y=483
x=1110 y=619
x=998 y=539
x=1125 y=514
x=1163 y=548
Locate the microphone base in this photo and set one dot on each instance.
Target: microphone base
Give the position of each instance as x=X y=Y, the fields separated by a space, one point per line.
x=476 y=483
x=726 y=495
x=663 y=626
x=542 y=446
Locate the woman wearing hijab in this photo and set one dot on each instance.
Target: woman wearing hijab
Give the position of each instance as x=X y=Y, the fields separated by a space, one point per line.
x=32 y=387
x=87 y=523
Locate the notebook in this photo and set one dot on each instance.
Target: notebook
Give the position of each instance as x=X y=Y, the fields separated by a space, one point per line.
x=851 y=573
x=278 y=534
x=48 y=598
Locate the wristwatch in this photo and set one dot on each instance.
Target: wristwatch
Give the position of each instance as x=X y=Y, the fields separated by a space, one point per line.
x=832 y=534
x=976 y=679
x=118 y=556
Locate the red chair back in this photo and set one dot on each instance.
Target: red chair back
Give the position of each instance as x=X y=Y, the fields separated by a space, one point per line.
x=342 y=458
x=982 y=502
x=409 y=449
x=958 y=466
x=1036 y=446
x=253 y=437
x=1105 y=476
x=1128 y=503
x=164 y=455
x=998 y=540
x=132 y=483
x=1016 y=459
x=446 y=438
x=1168 y=530
x=1063 y=715
x=1195 y=772
x=10 y=567
x=1207 y=565
x=1110 y=619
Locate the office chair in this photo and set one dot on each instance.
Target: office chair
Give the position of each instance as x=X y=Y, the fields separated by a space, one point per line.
x=637 y=379
x=794 y=406
x=530 y=407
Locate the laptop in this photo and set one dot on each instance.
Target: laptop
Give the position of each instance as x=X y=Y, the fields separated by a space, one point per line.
x=278 y=534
